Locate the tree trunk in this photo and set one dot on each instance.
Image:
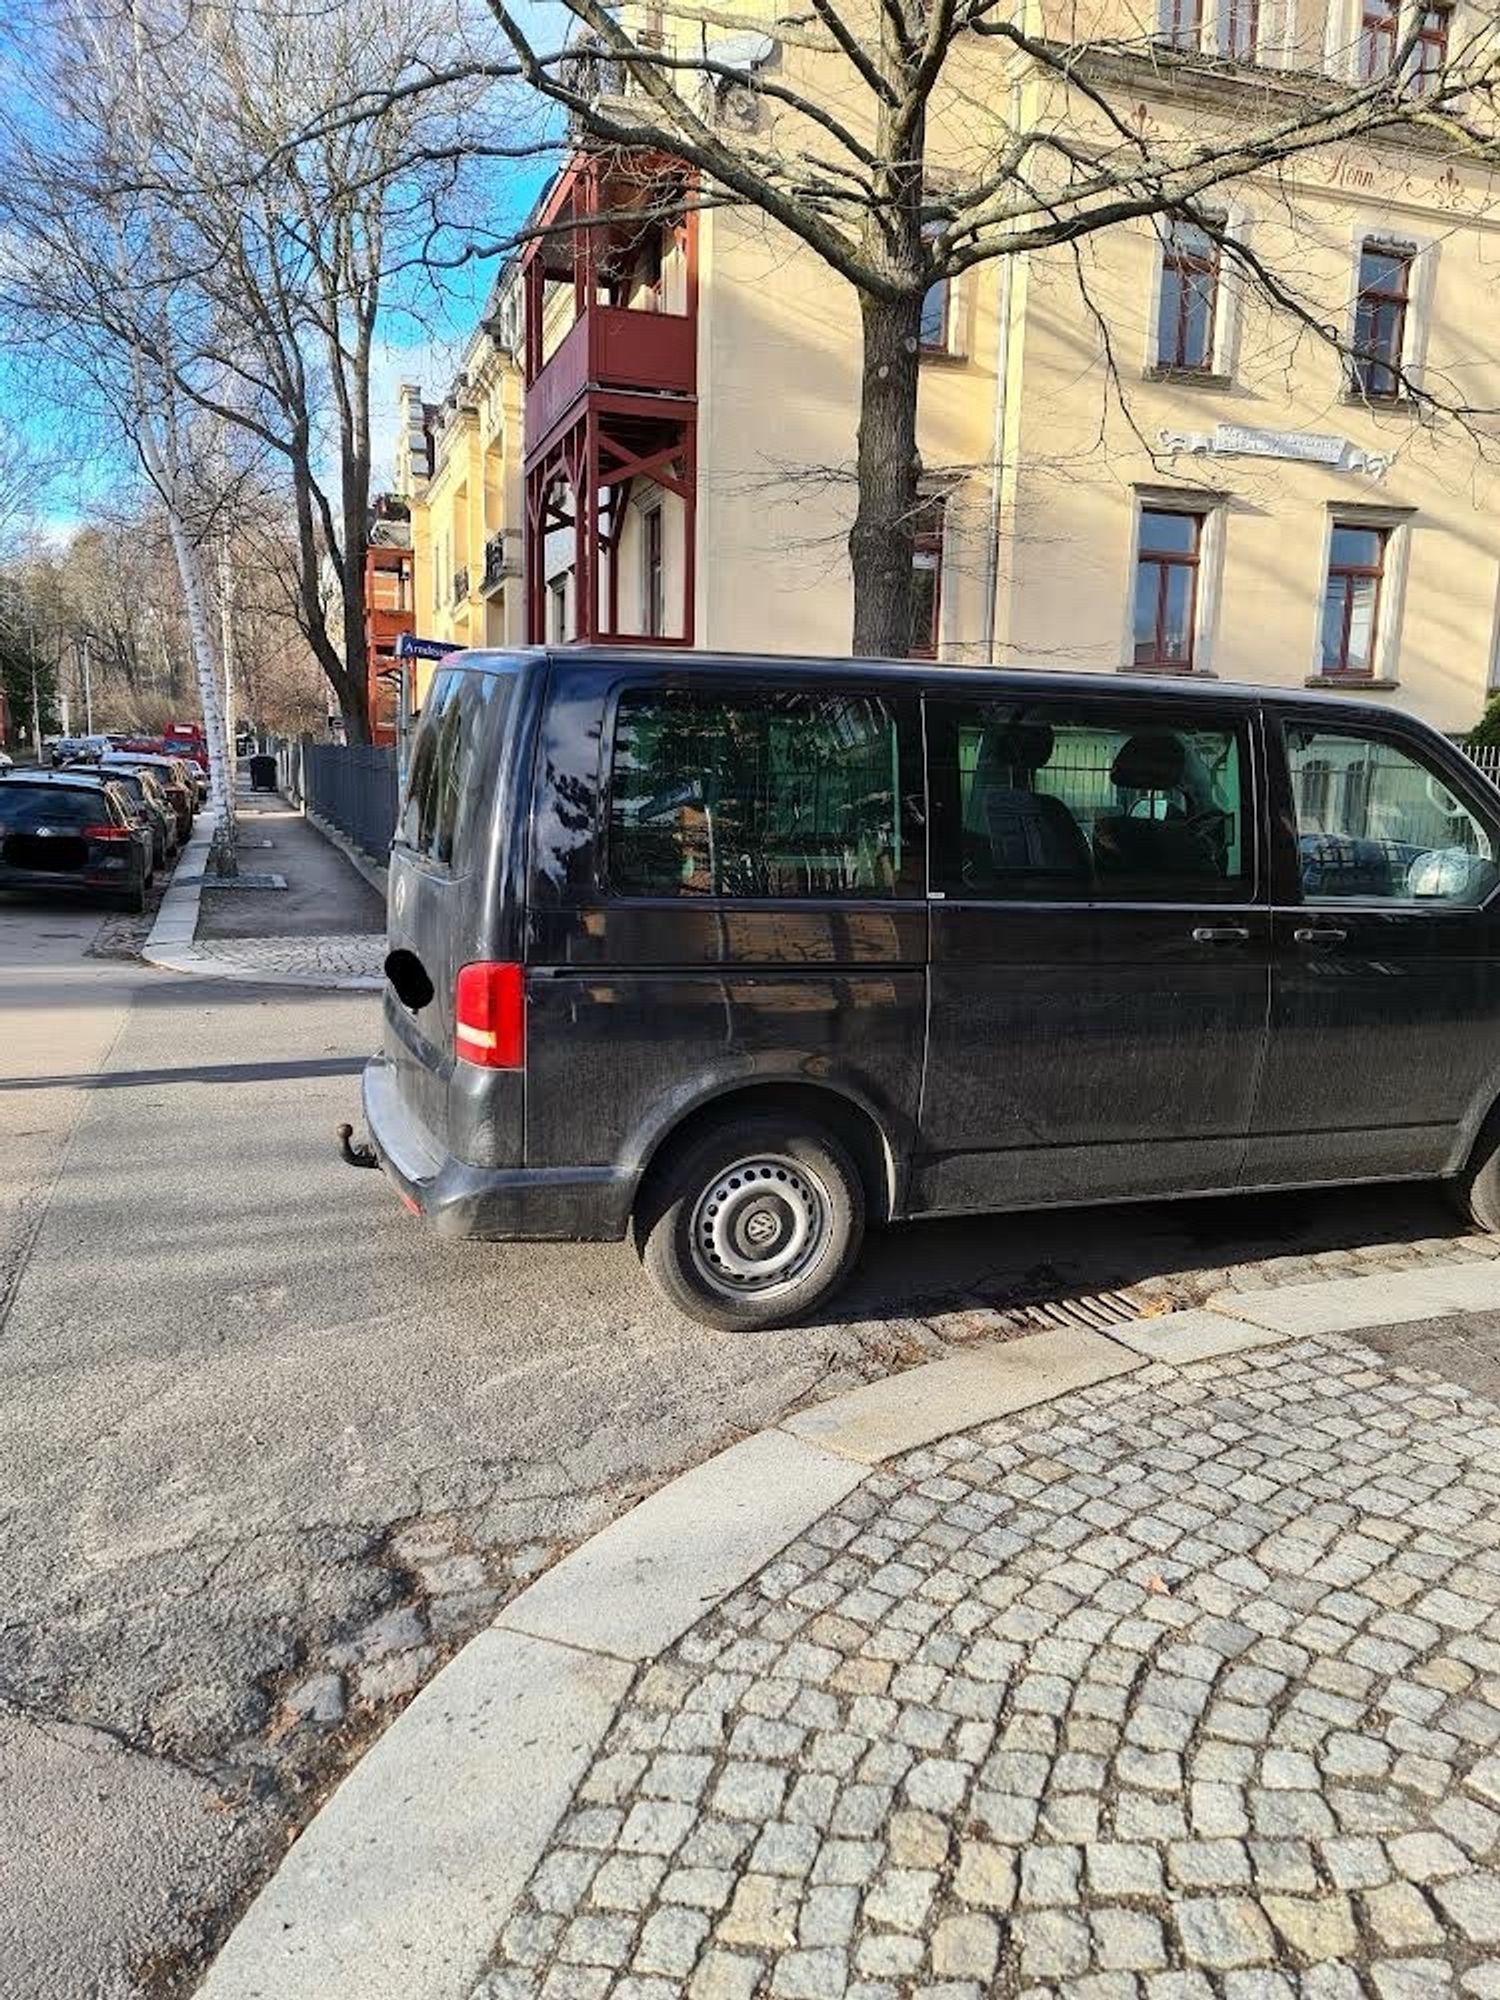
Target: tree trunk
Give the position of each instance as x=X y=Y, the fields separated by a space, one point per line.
x=880 y=542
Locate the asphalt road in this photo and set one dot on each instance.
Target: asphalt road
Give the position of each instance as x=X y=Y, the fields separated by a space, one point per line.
x=257 y=1427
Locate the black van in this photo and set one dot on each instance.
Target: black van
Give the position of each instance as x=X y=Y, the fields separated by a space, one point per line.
x=740 y=953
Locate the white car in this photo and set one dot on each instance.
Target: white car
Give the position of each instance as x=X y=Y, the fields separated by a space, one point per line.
x=7 y=762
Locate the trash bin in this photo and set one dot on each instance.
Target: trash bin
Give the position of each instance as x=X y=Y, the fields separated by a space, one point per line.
x=263 y=773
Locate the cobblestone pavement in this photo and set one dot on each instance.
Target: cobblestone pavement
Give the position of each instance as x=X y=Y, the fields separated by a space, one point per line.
x=1183 y=1687
x=343 y=955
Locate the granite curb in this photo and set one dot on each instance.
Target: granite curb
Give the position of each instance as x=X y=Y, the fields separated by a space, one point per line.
x=398 y=1888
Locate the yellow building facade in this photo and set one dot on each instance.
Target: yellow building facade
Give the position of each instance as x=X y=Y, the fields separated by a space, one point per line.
x=1131 y=459
x=459 y=466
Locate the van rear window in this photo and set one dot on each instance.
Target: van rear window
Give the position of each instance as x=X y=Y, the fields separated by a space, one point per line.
x=764 y=794
x=440 y=786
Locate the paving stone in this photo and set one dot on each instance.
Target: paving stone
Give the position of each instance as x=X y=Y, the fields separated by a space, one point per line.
x=1049 y=1875
x=1054 y=1945
x=1222 y=1932
x=1318 y=1927
x=1426 y=1857
x=670 y=1942
x=986 y=1876
x=1122 y=1868
x=726 y=1975
x=1411 y=1979
x=1400 y=1918
x=1472 y=1905
x=901 y=1897
x=1128 y=1940
x=1209 y=1864
x=811 y=1975
x=966 y=1947
x=763 y=1912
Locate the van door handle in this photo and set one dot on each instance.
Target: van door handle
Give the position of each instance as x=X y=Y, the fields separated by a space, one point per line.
x=1322 y=934
x=1221 y=934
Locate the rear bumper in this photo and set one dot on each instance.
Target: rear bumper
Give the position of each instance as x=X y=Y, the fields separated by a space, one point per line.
x=500 y=1204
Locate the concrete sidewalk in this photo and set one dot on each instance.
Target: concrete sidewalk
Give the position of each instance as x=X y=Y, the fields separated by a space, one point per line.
x=325 y=928
x=1159 y=1663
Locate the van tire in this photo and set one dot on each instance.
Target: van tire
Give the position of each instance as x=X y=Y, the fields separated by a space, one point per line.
x=810 y=1180
x=1476 y=1192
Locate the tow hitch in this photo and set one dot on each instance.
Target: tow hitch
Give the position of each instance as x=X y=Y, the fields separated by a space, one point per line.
x=361 y=1155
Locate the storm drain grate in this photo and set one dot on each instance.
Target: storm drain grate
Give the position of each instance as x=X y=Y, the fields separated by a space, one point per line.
x=1093 y=1311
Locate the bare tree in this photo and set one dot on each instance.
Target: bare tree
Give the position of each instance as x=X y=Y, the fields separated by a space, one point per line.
x=190 y=234
x=906 y=141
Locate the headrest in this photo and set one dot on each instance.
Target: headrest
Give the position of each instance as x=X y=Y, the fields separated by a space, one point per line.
x=1018 y=746
x=1153 y=762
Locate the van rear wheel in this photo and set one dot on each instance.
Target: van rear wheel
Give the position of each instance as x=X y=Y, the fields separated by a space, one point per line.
x=754 y=1224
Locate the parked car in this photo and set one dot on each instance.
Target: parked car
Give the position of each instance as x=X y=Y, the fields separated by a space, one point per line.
x=71 y=750
x=738 y=954
x=7 y=762
x=169 y=776
x=70 y=831
x=155 y=807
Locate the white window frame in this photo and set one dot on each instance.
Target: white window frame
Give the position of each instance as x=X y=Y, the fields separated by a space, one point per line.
x=1391 y=609
x=1210 y=506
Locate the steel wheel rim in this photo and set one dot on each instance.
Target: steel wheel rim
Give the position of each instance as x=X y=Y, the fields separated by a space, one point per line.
x=760 y=1226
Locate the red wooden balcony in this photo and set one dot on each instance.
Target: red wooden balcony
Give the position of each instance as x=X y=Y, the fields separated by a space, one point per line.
x=614 y=348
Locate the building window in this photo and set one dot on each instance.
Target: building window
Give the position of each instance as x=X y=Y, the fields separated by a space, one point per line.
x=1242 y=30
x=653 y=581
x=1380 y=320
x=1179 y=23
x=1189 y=296
x=1351 y=599
x=1166 y=589
x=1432 y=48
x=557 y=609
x=933 y=333
x=926 y=579
x=1377 y=40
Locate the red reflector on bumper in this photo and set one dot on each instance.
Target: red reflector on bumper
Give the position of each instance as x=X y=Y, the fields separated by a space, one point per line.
x=411 y=1207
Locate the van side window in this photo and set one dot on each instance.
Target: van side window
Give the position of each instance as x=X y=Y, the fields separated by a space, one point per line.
x=764 y=794
x=1375 y=823
x=1066 y=802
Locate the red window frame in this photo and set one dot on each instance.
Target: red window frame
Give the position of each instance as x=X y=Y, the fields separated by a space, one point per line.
x=927 y=553
x=1186 y=264
x=1242 y=30
x=1162 y=562
x=1180 y=23
x=1377 y=40
x=1432 y=47
x=1377 y=360
x=1348 y=574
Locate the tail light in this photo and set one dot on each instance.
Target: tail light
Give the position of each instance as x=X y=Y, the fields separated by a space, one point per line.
x=106 y=832
x=489 y=1015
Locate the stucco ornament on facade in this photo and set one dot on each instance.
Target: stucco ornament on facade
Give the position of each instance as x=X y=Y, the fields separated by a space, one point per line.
x=1310 y=447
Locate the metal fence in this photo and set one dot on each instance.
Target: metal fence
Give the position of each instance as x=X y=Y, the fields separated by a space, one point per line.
x=1486 y=756
x=353 y=786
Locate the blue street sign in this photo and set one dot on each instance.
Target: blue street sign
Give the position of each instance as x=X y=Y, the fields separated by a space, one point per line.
x=409 y=647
